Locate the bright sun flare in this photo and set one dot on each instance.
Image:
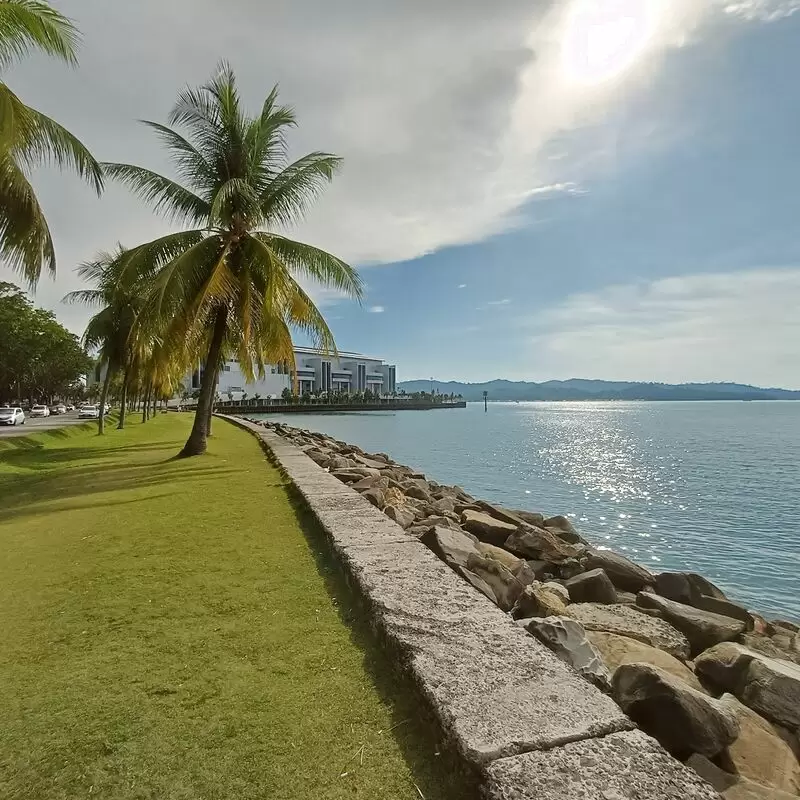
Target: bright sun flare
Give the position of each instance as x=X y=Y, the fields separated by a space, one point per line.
x=605 y=37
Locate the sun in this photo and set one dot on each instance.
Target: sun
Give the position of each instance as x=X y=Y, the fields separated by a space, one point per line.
x=603 y=38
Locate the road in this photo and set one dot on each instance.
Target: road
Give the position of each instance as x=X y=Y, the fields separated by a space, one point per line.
x=38 y=424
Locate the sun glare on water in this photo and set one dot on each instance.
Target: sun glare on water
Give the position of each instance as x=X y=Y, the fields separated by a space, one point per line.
x=603 y=38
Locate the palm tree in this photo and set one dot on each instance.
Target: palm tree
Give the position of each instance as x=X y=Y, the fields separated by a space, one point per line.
x=230 y=282
x=29 y=138
x=112 y=329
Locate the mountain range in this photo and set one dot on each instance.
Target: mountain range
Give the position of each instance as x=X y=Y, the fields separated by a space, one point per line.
x=581 y=389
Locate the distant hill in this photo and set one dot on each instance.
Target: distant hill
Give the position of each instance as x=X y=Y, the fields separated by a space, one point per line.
x=580 y=389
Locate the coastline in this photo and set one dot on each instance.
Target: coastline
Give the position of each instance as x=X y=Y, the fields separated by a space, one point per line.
x=597 y=610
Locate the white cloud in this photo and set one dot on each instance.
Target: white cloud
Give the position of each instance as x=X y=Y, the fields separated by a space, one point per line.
x=453 y=124
x=376 y=309
x=737 y=326
x=504 y=302
x=462 y=285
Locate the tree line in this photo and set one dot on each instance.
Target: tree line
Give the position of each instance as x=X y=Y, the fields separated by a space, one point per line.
x=228 y=281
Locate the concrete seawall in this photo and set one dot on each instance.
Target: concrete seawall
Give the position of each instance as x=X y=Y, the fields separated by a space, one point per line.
x=518 y=718
x=325 y=408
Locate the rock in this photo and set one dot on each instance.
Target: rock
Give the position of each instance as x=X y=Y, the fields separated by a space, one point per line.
x=532 y=518
x=703 y=629
x=453 y=547
x=394 y=497
x=500 y=513
x=319 y=457
x=524 y=574
x=760 y=754
x=375 y=496
x=444 y=504
x=628 y=598
x=504 y=585
x=631 y=621
x=710 y=772
x=443 y=522
x=790 y=626
x=557 y=588
x=370 y=483
x=569 y=568
x=783 y=644
x=593 y=586
x=486 y=528
x=340 y=462
x=418 y=530
x=726 y=609
x=747 y=790
x=769 y=686
x=682 y=719
x=564 y=528
x=536 y=601
x=413 y=489
x=623 y=572
x=508 y=560
x=617 y=650
x=539 y=568
x=686 y=587
x=477 y=582
x=350 y=475
x=402 y=516
x=567 y=639
x=539 y=543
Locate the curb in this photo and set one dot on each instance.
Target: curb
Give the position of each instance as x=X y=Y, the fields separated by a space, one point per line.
x=512 y=712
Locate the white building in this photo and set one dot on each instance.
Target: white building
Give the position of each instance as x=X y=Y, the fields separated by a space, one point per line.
x=316 y=371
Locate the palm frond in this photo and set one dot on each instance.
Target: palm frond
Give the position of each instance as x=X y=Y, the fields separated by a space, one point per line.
x=189 y=162
x=322 y=267
x=288 y=195
x=25 y=241
x=234 y=197
x=87 y=297
x=33 y=25
x=167 y=197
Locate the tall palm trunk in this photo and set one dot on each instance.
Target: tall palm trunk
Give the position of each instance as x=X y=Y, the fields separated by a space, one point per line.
x=123 y=401
x=101 y=420
x=197 y=442
x=145 y=404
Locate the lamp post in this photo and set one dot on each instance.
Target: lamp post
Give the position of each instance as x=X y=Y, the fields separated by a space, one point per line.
x=485 y=400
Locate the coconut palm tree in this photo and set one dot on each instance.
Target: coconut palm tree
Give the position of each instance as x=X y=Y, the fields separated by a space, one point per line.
x=29 y=138
x=112 y=329
x=230 y=281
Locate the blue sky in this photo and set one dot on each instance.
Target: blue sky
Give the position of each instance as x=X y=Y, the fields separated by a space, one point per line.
x=515 y=214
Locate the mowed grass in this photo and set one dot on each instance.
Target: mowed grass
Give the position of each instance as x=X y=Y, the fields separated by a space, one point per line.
x=173 y=629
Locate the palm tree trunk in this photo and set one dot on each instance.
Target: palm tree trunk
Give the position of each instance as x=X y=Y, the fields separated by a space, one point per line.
x=155 y=404
x=145 y=403
x=123 y=401
x=197 y=442
x=101 y=420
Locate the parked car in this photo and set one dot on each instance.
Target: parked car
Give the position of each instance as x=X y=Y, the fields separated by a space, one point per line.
x=89 y=412
x=70 y=408
x=40 y=411
x=12 y=416
x=58 y=408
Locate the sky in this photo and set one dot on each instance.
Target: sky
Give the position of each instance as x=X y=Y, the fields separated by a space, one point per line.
x=531 y=189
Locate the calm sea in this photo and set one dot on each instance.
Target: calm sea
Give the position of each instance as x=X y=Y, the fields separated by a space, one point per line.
x=712 y=487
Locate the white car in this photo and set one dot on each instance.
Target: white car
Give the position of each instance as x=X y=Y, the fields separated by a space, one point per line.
x=40 y=411
x=58 y=408
x=89 y=412
x=12 y=416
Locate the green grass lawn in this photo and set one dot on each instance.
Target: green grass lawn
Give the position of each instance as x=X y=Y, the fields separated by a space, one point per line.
x=173 y=630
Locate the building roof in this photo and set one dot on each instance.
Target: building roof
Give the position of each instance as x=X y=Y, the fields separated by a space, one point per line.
x=313 y=351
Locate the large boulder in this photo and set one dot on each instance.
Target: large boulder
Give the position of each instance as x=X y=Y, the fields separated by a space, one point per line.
x=504 y=584
x=503 y=514
x=540 y=544
x=444 y=505
x=617 y=650
x=530 y=517
x=538 y=601
x=682 y=719
x=760 y=753
x=769 y=686
x=487 y=528
x=567 y=639
x=562 y=527
x=703 y=629
x=477 y=582
x=623 y=572
x=415 y=489
x=593 y=586
x=726 y=608
x=454 y=547
x=686 y=587
x=632 y=622
x=375 y=496
x=401 y=515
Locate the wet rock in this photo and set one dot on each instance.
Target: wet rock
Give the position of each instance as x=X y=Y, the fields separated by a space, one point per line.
x=541 y=544
x=682 y=719
x=452 y=546
x=593 y=586
x=760 y=753
x=623 y=572
x=531 y=518
x=504 y=585
x=769 y=686
x=630 y=621
x=703 y=629
x=486 y=528
x=567 y=639
x=375 y=496
x=536 y=601
x=617 y=650
x=564 y=529
x=402 y=516
x=686 y=587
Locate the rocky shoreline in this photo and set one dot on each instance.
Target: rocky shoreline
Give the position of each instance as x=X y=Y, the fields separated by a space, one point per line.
x=716 y=684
